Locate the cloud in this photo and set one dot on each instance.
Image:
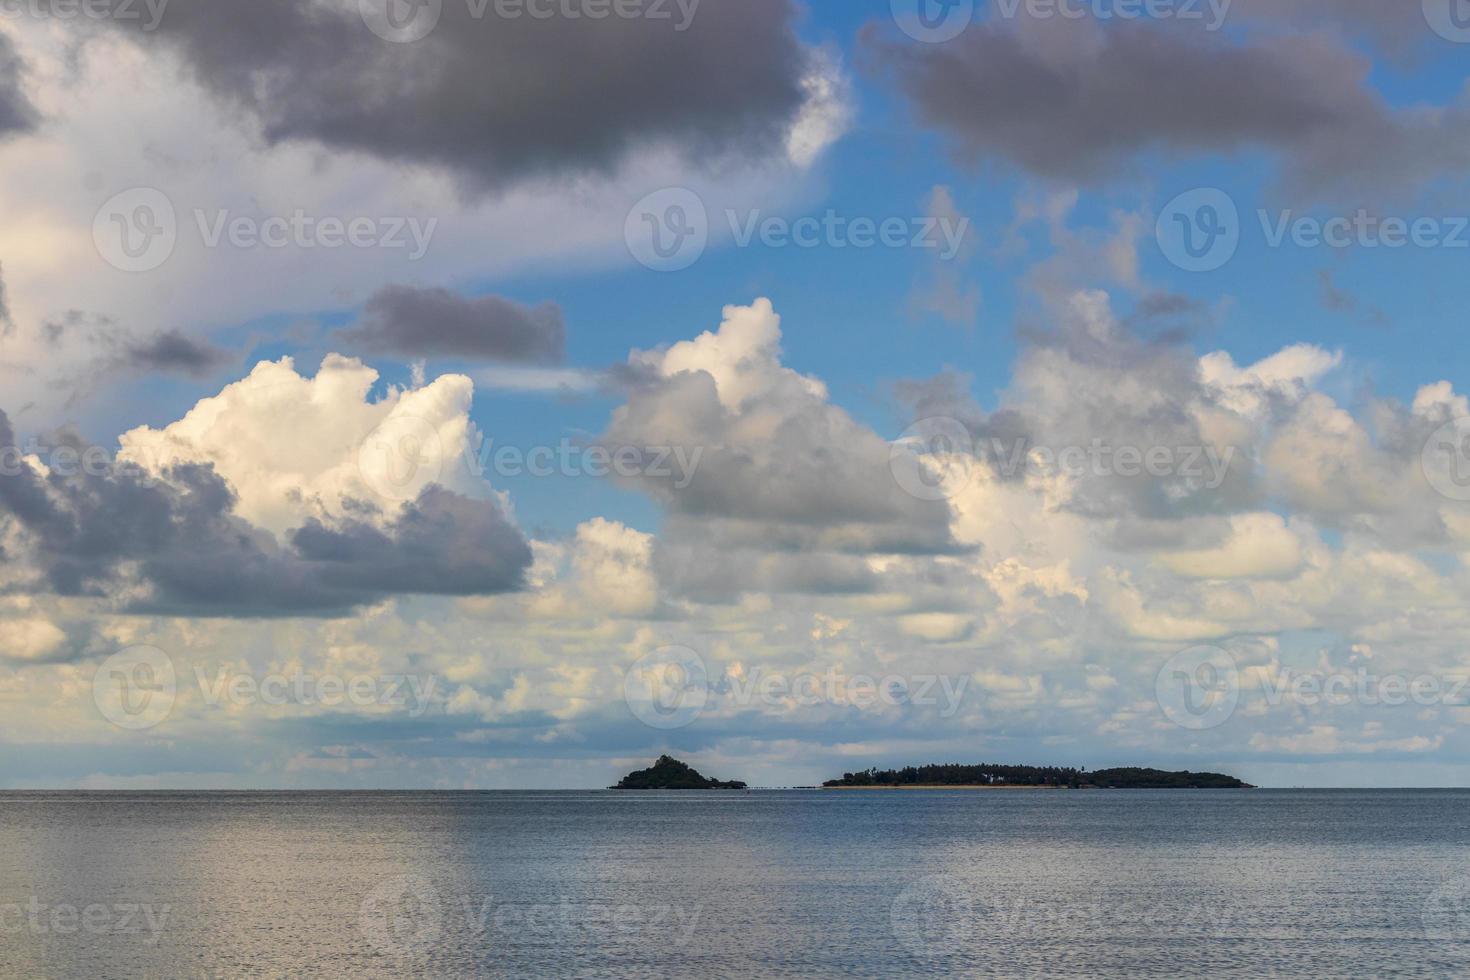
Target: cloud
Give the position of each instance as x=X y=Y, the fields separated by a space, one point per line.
x=1335 y=299
x=1280 y=379
x=1394 y=24
x=1171 y=314
x=111 y=351
x=949 y=294
x=6 y=323
x=775 y=463
x=605 y=570
x=1079 y=102
x=277 y=497
x=413 y=322
x=1257 y=546
x=440 y=544
x=293 y=447
x=1090 y=383
x=496 y=99
x=566 y=381
x=826 y=113
x=1103 y=258
x=32 y=638
x=17 y=114
x=173 y=352
x=176 y=547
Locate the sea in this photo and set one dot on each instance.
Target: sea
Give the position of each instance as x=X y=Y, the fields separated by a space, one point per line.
x=1088 y=883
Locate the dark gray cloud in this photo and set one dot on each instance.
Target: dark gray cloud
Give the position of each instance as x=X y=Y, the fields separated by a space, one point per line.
x=110 y=351
x=412 y=322
x=177 y=548
x=1153 y=306
x=1083 y=103
x=496 y=99
x=172 y=352
x=444 y=544
x=1395 y=24
x=169 y=351
x=1171 y=316
x=17 y=114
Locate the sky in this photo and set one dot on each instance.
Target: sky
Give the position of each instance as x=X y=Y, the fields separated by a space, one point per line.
x=502 y=393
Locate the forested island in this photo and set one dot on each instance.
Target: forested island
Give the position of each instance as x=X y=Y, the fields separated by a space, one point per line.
x=670 y=773
x=988 y=776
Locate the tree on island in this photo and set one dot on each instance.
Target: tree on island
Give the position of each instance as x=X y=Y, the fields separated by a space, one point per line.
x=670 y=773
x=953 y=774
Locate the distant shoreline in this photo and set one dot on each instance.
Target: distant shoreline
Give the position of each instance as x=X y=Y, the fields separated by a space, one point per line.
x=947 y=786
x=992 y=776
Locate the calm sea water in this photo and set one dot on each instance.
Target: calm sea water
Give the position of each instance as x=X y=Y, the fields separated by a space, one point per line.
x=1097 y=883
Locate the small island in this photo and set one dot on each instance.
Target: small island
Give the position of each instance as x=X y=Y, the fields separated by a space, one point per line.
x=987 y=776
x=670 y=773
